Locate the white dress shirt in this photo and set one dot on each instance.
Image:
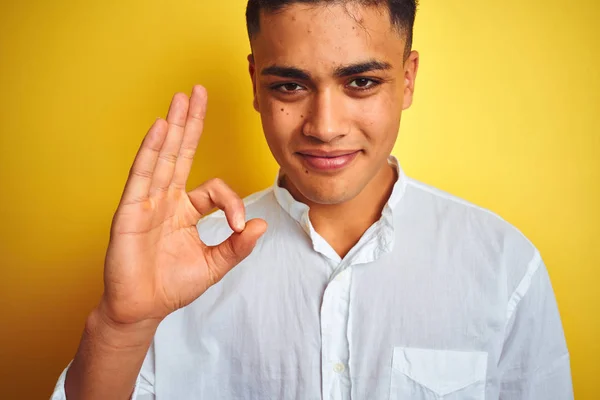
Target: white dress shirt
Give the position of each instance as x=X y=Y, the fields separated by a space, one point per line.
x=440 y=299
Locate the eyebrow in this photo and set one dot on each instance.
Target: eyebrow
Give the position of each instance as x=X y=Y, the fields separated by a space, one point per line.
x=286 y=72
x=340 y=72
x=361 y=68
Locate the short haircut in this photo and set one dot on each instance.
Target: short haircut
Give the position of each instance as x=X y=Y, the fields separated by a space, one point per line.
x=402 y=13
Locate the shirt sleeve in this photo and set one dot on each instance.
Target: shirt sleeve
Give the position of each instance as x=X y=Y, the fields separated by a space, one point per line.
x=144 y=385
x=534 y=363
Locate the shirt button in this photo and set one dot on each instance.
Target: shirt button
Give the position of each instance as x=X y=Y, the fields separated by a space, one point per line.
x=339 y=368
x=340 y=276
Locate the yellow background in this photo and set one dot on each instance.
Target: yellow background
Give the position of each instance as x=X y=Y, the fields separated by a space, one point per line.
x=506 y=115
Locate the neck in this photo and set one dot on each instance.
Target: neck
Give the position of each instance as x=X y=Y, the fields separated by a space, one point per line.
x=342 y=225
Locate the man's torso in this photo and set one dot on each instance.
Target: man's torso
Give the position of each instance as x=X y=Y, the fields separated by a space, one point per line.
x=418 y=309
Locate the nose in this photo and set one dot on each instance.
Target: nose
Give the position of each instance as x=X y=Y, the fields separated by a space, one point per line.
x=326 y=121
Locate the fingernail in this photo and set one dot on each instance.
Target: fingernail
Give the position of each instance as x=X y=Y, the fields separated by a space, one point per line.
x=240 y=223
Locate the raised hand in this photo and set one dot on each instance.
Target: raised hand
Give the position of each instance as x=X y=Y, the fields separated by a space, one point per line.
x=156 y=262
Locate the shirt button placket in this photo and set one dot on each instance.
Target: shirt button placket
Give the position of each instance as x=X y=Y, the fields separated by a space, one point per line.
x=335 y=348
x=339 y=368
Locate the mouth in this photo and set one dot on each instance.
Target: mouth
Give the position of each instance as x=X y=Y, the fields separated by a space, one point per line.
x=327 y=160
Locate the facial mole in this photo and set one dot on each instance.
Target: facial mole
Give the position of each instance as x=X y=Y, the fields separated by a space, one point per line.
x=282 y=109
x=302 y=116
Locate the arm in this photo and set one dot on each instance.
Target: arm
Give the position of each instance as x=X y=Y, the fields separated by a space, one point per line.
x=144 y=383
x=535 y=361
x=108 y=359
x=156 y=262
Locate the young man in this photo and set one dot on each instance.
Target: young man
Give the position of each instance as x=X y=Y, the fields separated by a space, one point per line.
x=365 y=285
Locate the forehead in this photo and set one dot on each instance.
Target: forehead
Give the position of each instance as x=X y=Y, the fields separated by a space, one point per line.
x=320 y=37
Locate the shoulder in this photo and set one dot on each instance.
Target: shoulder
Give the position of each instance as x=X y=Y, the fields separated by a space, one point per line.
x=467 y=226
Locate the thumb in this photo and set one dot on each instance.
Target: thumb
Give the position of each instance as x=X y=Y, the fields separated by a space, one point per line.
x=223 y=257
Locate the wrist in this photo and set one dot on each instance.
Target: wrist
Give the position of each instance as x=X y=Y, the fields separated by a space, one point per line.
x=119 y=336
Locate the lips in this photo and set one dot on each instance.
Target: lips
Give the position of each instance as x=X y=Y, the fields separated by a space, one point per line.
x=327 y=160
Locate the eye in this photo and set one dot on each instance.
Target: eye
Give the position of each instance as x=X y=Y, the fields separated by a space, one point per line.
x=288 y=87
x=363 y=83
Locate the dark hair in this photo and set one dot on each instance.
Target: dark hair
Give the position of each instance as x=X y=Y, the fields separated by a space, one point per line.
x=402 y=13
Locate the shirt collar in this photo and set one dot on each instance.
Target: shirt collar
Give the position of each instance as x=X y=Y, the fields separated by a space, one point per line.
x=378 y=238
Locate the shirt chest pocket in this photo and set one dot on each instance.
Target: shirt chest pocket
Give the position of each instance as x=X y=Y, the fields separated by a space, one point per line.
x=424 y=374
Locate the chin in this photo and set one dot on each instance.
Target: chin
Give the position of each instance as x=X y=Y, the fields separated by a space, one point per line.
x=327 y=198
x=326 y=192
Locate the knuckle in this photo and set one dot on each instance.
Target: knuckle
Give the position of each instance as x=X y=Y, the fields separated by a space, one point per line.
x=161 y=189
x=178 y=124
x=178 y=186
x=229 y=252
x=168 y=157
x=239 y=203
x=217 y=182
x=196 y=117
x=141 y=173
x=187 y=153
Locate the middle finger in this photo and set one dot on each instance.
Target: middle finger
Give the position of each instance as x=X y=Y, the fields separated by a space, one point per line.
x=169 y=152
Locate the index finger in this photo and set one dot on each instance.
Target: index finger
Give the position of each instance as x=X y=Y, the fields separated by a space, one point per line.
x=191 y=136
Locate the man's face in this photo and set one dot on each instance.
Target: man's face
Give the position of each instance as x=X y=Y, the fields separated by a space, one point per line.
x=330 y=84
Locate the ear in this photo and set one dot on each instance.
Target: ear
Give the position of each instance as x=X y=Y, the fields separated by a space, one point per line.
x=411 y=66
x=252 y=70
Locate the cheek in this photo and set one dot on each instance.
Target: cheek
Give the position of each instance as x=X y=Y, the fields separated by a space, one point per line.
x=281 y=120
x=380 y=117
